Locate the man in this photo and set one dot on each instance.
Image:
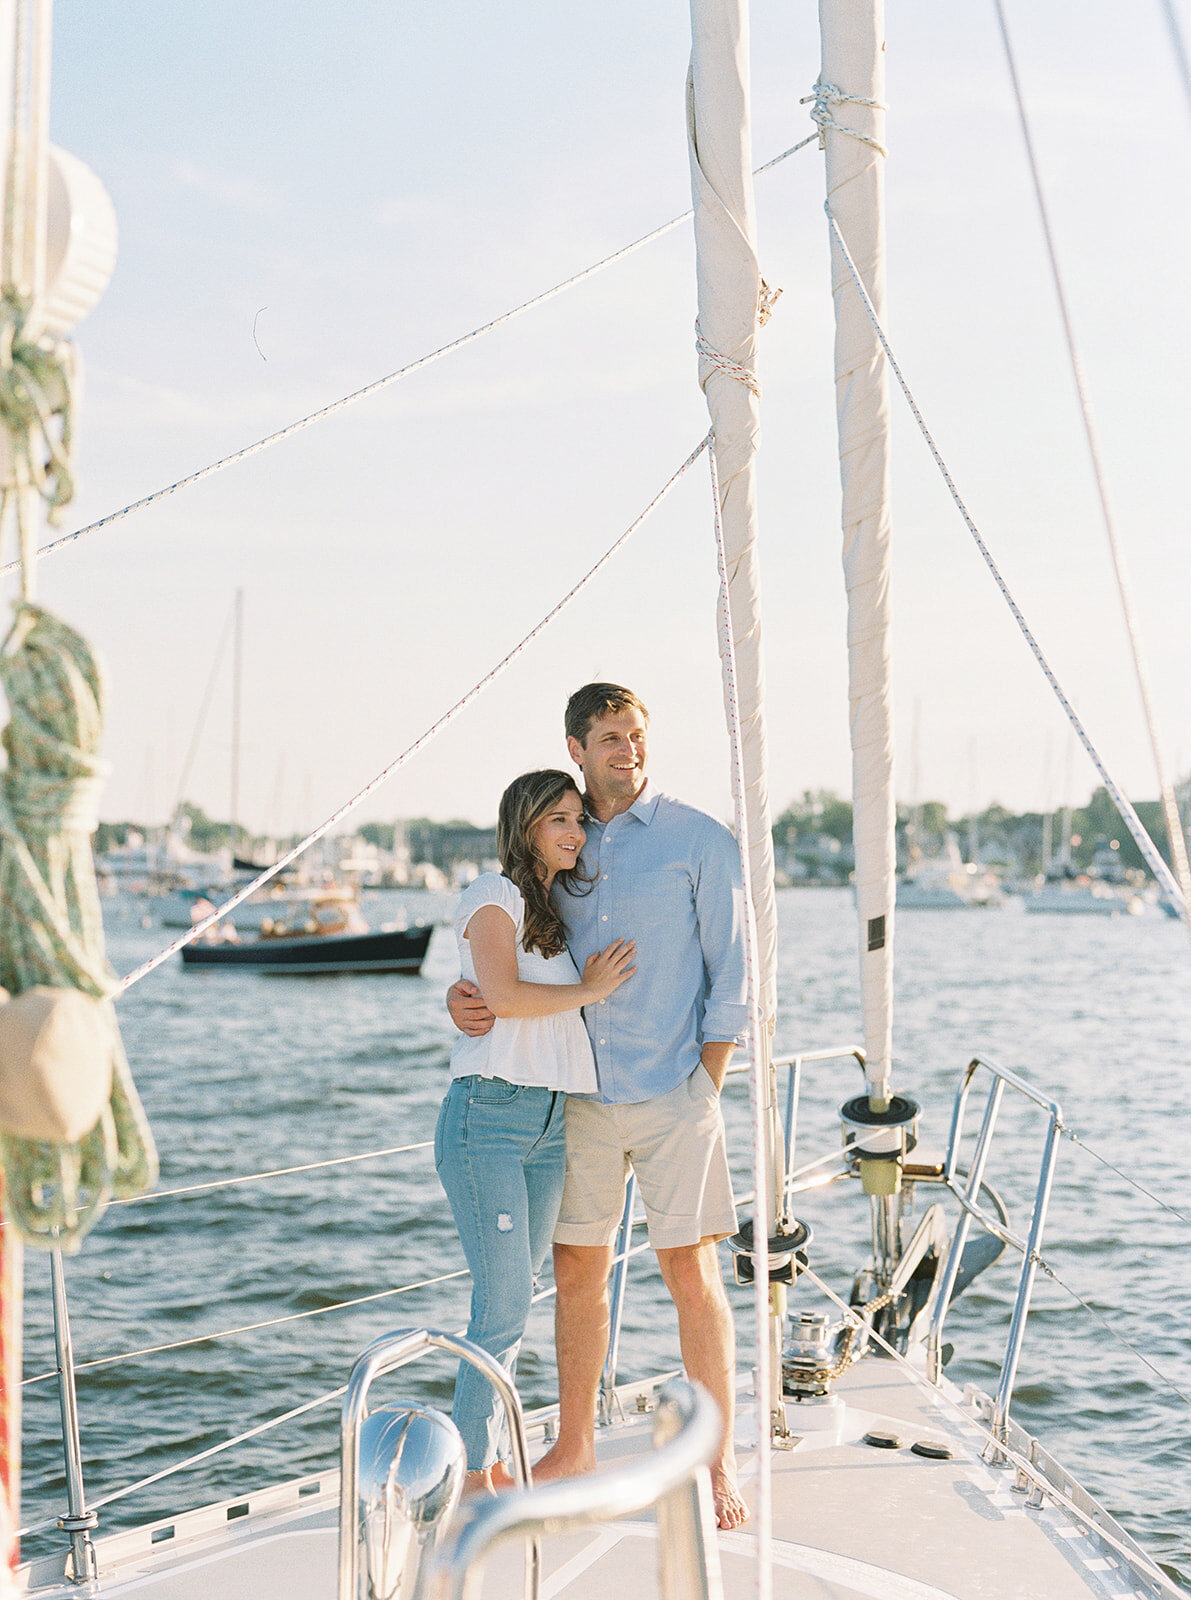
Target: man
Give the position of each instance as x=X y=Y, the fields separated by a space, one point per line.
x=667 y=876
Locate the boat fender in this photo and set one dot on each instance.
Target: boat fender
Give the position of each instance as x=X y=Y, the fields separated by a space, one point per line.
x=55 y=1064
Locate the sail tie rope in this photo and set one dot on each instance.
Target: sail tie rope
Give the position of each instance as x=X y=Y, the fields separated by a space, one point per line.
x=393 y=377
x=825 y=95
x=767 y=299
x=1129 y=816
x=1170 y=808
x=723 y=363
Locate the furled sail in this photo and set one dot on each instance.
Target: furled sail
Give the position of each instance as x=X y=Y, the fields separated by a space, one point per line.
x=851 y=118
x=730 y=300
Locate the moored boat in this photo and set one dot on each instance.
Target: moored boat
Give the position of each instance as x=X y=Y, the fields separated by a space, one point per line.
x=388 y=950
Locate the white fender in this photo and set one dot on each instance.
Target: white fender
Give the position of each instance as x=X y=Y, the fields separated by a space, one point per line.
x=56 y=1051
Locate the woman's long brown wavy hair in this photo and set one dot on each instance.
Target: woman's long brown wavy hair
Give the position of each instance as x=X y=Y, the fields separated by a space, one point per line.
x=524 y=803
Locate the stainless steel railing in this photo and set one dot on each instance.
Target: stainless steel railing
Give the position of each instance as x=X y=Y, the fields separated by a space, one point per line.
x=971 y=1210
x=673 y=1477
x=384 y=1355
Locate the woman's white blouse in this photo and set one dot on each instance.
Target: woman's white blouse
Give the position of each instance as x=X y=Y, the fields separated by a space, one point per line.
x=544 y=1052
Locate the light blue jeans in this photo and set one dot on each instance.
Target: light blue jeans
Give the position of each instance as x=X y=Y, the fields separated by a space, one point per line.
x=500 y=1150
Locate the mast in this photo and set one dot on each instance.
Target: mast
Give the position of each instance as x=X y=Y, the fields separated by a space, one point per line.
x=730 y=311
x=851 y=117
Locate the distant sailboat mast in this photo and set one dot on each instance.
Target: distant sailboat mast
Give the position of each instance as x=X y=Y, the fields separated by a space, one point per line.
x=237 y=673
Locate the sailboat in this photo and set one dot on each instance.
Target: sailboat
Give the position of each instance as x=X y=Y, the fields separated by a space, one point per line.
x=955 y=1497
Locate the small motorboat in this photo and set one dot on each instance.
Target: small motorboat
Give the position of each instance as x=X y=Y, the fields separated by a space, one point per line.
x=333 y=938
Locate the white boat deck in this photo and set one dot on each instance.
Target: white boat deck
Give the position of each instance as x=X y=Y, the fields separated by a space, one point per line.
x=850 y=1520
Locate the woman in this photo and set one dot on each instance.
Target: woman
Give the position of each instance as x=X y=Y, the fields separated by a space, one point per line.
x=500 y=1145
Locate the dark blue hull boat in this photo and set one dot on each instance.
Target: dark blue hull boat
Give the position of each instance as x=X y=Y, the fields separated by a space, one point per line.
x=399 y=950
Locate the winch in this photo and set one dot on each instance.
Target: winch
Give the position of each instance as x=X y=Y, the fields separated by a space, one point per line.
x=808 y=1358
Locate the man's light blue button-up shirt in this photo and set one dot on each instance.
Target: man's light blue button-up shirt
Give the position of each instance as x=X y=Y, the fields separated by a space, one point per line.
x=667 y=876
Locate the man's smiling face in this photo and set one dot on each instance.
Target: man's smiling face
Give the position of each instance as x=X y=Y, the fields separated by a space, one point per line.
x=613 y=757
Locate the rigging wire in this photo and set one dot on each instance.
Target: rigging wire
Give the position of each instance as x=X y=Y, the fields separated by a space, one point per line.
x=190 y=1461
x=760 y=1075
x=270 y=1423
x=1170 y=809
x=275 y=1172
x=393 y=377
x=1179 y=46
x=250 y=1327
x=394 y=766
x=1001 y=1232
x=1107 y=1325
x=1069 y=1133
x=1129 y=816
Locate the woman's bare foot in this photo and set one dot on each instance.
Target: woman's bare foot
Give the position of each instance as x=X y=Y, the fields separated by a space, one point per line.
x=478 y=1482
x=730 y=1509
x=501 y=1477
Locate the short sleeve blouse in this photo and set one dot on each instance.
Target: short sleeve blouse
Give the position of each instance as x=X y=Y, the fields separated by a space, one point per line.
x=543 y=1052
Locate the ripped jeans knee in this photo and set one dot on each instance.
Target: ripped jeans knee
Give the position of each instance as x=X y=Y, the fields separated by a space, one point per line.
x=501 y=1155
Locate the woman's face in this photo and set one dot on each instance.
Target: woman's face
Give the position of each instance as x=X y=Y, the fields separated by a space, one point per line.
x=558 y=835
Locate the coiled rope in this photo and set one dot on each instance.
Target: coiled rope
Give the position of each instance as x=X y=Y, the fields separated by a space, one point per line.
x=1132 y=821
x=51 y=929
x=1170 y=808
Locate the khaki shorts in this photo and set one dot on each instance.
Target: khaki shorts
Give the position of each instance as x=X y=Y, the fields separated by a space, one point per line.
x=674 y=1144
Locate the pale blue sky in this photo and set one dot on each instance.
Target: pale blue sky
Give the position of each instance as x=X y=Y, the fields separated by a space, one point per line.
x=375 y=178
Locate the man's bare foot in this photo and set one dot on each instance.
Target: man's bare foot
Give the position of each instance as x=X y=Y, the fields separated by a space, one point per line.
x=560 y=1463
x=501 y=1477
x=730 y=1509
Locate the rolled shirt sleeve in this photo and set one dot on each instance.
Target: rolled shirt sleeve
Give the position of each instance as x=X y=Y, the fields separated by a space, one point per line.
x=720 y=913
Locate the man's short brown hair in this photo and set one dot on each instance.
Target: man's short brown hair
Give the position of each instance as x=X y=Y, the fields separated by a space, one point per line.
x=595 y=700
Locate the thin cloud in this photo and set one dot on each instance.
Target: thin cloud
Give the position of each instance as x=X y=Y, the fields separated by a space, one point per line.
x=233 y=190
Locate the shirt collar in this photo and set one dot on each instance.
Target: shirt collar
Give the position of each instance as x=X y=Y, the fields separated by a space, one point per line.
x=643 y=807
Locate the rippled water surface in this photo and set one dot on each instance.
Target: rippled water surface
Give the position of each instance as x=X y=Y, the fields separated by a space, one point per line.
x=242 y=1073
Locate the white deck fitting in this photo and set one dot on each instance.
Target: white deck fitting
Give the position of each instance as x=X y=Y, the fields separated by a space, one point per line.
x=850 y=1521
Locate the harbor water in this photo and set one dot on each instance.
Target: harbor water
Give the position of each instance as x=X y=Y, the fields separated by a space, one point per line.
x=200 y=1316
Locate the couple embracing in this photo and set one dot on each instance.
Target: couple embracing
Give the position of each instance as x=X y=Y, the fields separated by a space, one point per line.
x=603 y=990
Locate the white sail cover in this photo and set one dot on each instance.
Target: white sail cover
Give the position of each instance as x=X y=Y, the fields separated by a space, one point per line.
x=729 y=299
x=853 y=43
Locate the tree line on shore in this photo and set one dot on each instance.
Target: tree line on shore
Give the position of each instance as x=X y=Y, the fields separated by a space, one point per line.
x=815 y=829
